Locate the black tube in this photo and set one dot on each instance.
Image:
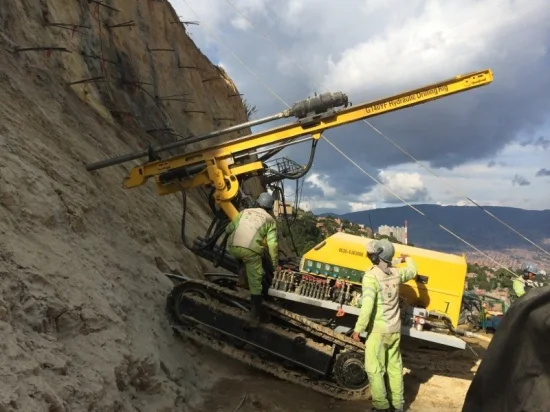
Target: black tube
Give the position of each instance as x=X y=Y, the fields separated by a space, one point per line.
x=182 y=172
x=136 y=155
x=304 y=171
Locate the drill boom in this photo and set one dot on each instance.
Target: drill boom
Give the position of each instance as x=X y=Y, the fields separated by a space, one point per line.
x=314 y=125
x=215 y=166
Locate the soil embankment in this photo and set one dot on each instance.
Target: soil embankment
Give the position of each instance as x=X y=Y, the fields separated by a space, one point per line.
x=82 y=291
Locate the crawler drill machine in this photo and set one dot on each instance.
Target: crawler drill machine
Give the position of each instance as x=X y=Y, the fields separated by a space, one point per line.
x=312 y=305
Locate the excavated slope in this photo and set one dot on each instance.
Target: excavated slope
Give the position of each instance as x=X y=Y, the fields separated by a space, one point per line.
x=81 y=296
x=82 y=292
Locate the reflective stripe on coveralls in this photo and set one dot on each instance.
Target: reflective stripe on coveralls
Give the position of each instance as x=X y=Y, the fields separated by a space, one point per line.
x=380 y=297
x=250 y=231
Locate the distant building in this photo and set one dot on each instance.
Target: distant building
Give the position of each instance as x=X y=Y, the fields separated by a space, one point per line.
x=398 y=232
x=278 y=209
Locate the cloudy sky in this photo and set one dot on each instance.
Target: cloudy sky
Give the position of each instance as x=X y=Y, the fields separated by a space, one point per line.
x=492 y=143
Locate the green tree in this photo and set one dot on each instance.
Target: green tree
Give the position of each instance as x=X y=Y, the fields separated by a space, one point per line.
x=484 y=284
x=390 y=238
x=505 y=278
x=474 y=268
x=304 y=231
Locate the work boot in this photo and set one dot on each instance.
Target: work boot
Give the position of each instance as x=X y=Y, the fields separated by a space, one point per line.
x=255 y=310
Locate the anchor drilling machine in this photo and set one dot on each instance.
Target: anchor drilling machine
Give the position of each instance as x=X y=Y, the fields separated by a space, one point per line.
x=313 y=304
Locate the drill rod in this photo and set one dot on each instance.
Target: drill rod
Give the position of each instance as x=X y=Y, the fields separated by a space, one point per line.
x=136 y=155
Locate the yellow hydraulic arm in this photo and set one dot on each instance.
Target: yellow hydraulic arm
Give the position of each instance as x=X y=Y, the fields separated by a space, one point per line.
x=216 y=165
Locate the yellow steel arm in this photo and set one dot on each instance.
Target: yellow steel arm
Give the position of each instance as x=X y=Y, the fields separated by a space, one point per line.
x=212 y=166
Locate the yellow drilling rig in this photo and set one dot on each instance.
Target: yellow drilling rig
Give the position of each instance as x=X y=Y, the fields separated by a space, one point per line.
x=313 y=303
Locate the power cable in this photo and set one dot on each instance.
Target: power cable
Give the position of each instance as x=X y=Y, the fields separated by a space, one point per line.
x=465 y=196
x=343 y=154
x=414 y=208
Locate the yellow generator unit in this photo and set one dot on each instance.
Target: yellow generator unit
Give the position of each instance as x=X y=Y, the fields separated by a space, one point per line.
x=327 y=287
x=438 y=287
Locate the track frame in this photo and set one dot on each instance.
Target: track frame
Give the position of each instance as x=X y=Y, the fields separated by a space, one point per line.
x=345 y=354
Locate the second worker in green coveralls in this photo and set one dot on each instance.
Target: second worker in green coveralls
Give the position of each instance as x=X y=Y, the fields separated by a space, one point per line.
x=521 y=286
x=251 y=232
x=380 y=317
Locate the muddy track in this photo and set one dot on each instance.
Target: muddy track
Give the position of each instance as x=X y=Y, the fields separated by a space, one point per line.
x=254 y=360
x=234 y=347
x=291 y=317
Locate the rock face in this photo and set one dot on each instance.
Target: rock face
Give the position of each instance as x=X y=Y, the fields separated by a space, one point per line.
x=129 y=60
x=81 y=297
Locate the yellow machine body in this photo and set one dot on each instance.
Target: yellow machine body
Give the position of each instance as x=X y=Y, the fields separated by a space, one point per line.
x=438 y=287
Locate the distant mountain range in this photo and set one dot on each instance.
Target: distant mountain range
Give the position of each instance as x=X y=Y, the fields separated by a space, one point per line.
x=469 y=222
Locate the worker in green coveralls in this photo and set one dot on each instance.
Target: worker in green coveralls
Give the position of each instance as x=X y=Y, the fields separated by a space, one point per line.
x=521 y=286
x=380 y=317
x=250 y=233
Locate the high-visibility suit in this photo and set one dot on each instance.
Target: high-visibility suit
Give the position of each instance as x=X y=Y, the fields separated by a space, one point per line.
x=380 y=317
x=522 y=285
x=520 y=288
x=249 y=234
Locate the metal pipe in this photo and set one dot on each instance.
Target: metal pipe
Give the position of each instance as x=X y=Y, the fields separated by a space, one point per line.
x=267 y=149
x=177 y=277
x=226 y=275
x=136 y=155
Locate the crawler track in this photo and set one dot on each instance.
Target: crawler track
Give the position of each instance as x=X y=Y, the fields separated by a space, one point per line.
x=328 y=362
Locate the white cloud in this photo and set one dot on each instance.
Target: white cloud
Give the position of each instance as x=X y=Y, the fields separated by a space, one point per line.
x=488 y=186
x=405 y=44
x=359 y=206
x=408 y=186
x=241 y=23
x=312 y=204
x=320 y=181
x=491 y=186
x=418 y=49
x=467 y=203
x=250 y=7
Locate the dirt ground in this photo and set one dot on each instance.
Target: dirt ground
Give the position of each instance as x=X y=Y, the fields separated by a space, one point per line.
x=437 y=380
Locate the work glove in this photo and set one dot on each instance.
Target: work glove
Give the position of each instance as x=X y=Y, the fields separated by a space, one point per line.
x=400 y=259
